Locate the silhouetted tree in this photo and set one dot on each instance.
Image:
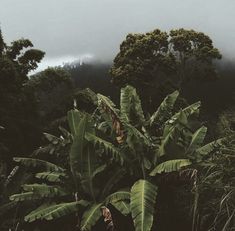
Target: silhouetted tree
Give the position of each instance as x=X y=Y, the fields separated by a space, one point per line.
x=17 y=111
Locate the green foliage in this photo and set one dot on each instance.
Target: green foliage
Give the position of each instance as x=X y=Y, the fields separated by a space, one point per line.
x=164 y=111
x=144 y=57
x=51 y=176
x=29 y=162
x=54 y=211
x=91 y=216
x=131 y=109
x=16 y=61
x=47 y=88
x=143 y=198
x=215 y=190
x=130 y=149
x=170 y=166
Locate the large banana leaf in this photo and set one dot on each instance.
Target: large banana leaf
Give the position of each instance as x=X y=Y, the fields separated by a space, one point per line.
x=77 y=154
x=74 y=118
x=90 y=217
x=29 y=162
x=164 y=111
x=122 y=206
x=170 y=166
x=118 y=196
x=51 y=176
x=54 y=211
x=52 y=139
x=175 y=136
x=108 y=147
x=27 y=196
x=44 y=189
x=131 y=109
x=143 y=198
x=169 y=138
x=83 y=161
x=197 y=139
x=38 y=191
x=117 y=175
x=208 y=148
x=188 y=111
x=136 y=138
x=111 y=115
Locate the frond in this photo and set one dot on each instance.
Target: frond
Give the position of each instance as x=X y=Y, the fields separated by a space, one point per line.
x=54 y=211
x=122 y=206
x=164 y=111
x=51 y=176
x=197 y=139
x=108 y=147
x=143 y=199
x=188 y=111
x=90 y=217
x=38 y=191
x=130 y=104
x=170 y=166
x=29 y=162
x=116 y=176
x=111 y=115
x=78 y=126
x=118 y=196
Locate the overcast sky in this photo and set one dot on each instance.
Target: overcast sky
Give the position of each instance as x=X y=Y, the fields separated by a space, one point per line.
x=68 y=29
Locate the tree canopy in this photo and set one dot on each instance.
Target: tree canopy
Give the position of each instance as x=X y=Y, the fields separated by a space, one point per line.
x=147 y=59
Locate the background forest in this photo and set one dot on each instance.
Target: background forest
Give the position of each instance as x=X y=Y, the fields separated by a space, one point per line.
x=163 y=159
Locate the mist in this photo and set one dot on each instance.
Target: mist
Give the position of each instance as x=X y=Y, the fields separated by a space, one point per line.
x=70 y=29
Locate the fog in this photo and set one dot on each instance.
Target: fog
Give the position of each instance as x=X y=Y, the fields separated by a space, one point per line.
x=67 y=29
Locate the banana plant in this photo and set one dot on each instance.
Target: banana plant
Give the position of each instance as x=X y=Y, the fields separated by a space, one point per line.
x=166 y=142
x=114 y=144
x=80 y=189
x=143 y=151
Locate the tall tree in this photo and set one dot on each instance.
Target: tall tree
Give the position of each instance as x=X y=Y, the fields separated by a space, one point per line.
x=159 y=61
x=16 y=109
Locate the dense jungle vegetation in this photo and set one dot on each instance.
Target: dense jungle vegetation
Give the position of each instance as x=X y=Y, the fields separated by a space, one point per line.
x=143 y=143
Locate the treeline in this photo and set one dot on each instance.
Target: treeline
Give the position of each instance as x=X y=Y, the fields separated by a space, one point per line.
x=216 y=95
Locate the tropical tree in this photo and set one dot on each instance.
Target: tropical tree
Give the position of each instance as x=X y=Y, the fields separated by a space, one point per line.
x=16 y=61
x=155 y=147
x=78 y=187
x=47 y=87
x=159 y=62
